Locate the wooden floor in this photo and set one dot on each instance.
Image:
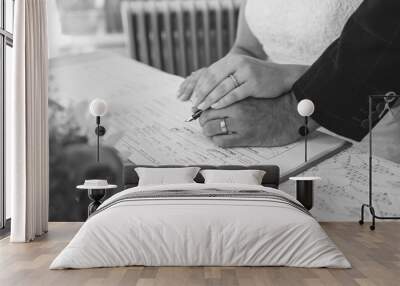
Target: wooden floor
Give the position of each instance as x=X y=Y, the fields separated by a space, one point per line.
x=375 y=257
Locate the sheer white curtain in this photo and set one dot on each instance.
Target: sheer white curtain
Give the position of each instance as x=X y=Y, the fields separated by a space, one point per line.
x=26 y=123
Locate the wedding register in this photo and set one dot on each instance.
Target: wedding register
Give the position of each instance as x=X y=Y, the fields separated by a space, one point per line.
x=146 y=124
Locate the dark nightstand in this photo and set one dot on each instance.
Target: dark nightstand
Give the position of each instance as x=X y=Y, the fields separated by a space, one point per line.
x=305 y=190
x=96 y=194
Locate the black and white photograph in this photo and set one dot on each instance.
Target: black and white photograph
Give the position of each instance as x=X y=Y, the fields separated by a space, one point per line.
x=199 y=142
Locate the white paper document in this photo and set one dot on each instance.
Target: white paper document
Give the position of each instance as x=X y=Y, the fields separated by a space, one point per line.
x=146 y=121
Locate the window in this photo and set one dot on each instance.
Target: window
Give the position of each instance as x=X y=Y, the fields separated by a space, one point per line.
x=6 y=43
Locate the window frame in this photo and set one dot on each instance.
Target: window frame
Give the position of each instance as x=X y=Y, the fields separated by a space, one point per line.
x=6 y=39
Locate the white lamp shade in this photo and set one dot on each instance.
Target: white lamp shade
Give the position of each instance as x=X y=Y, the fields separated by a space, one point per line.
x=305 y=107
x=98 y=107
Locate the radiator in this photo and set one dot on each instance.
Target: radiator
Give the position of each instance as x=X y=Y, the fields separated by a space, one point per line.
x=179 y=36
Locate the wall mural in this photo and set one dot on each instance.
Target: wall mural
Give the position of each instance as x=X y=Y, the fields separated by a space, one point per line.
x=95 y=47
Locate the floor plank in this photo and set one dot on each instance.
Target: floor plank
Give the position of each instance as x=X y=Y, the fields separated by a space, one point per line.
x=375 y=257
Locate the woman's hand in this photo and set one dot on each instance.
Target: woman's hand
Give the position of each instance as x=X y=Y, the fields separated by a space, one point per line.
x=214 y=87
x=186 y=89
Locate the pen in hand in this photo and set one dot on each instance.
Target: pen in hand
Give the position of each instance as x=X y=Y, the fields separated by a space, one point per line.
x=195 y=115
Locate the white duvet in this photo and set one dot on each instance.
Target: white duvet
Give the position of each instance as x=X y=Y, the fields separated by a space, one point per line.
x=200 y=231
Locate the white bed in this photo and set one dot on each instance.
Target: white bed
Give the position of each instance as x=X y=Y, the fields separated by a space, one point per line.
x=189 y=231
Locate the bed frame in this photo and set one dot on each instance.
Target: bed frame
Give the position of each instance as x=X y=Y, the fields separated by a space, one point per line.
x=271 y=178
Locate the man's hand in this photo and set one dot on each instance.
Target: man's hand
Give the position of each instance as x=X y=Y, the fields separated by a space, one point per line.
x=255 y=122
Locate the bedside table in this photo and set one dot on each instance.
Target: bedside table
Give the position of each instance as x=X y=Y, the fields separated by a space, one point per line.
x=305 y=190
x=95 y=194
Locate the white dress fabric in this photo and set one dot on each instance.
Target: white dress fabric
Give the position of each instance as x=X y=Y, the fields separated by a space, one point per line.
x=297 y=31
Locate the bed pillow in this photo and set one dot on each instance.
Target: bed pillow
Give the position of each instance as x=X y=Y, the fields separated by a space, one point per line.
x=166 y=176
x=246 y=177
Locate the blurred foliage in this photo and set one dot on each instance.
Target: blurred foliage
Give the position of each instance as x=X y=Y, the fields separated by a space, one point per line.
x=63 y=128
x=72 y=160
x=63 y=131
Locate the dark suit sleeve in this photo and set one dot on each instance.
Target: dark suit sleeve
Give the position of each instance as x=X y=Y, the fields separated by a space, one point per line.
x=364 y=60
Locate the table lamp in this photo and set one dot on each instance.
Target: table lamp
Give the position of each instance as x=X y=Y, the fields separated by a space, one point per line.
x=305 y=108
x=98 y=108
x=305 y=185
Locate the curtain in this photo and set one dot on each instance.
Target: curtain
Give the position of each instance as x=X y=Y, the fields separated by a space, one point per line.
x=27 y=125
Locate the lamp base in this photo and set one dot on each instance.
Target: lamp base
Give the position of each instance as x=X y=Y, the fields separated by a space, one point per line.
x=303 y=131
x=100 y=130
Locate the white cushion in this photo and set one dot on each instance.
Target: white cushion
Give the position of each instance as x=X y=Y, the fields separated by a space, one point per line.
x=247 y=177
x=165 y=176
